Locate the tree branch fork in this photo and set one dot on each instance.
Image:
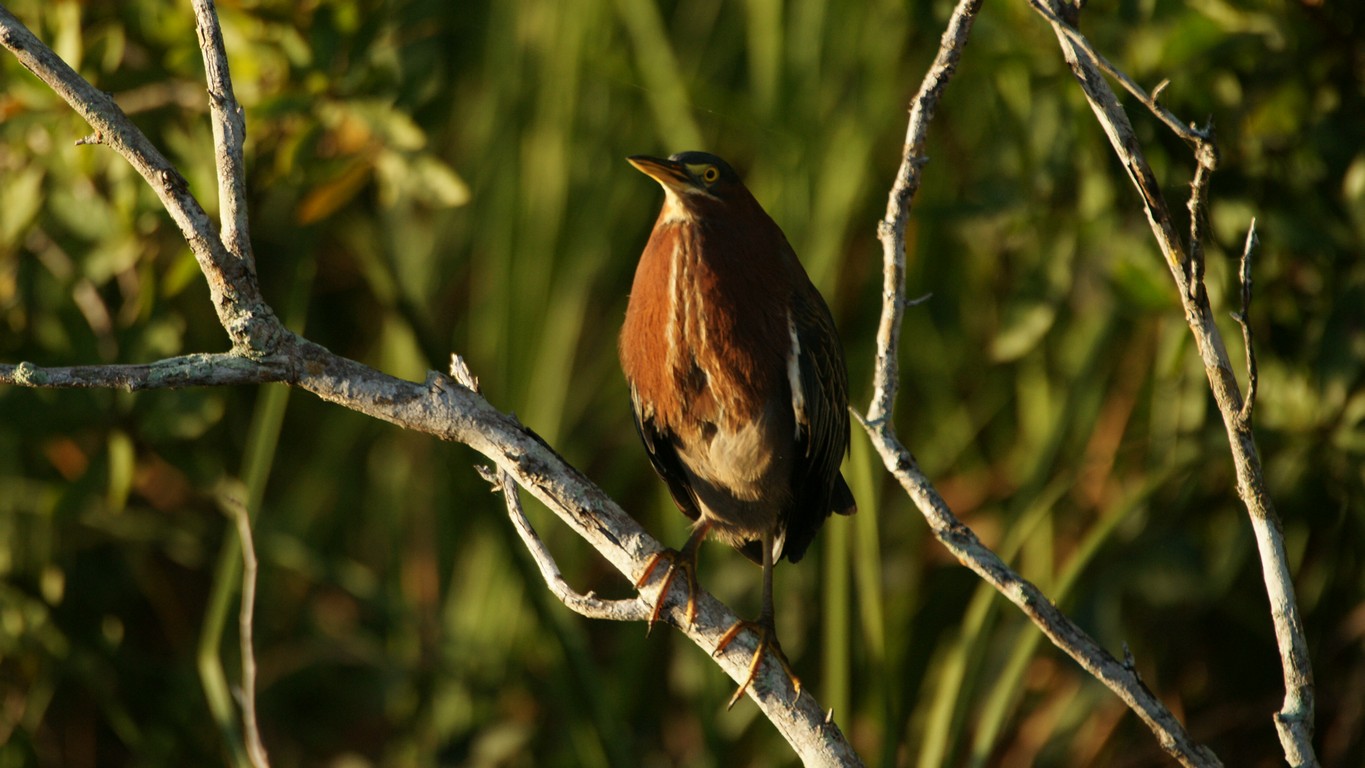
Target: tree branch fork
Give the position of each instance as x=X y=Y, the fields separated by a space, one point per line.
x=451 y=408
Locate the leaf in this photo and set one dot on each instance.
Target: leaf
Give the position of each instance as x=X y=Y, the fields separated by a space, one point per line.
x=20 y=199
x=121 y=464
x=326 y=198
x=422 y=178
x=1023 y=333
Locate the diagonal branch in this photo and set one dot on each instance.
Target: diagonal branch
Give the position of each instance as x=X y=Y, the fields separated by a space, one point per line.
x=962 y=542
x=443 y=408
x=1189 y=133
x=589 y=605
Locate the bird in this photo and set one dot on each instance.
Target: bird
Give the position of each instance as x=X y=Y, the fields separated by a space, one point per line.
x=738 y=384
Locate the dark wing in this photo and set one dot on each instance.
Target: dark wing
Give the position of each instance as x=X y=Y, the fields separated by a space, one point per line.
x=821 y=421
x=664 y=457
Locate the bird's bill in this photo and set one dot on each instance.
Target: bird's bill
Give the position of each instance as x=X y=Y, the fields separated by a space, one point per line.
x=667 y=172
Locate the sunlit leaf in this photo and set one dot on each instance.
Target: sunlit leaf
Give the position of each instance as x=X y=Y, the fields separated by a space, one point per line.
x=20 y=202
x=328 y=197
x=121 y=465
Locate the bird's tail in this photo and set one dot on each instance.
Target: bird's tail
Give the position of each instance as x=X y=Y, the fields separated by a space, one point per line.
x=841 y=498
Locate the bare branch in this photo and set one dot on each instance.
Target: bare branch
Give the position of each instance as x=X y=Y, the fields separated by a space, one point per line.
x=588 y=605
x=232 y=281
x=444 y=408
x=1207 y=155
x=1243 y=319
x=891 y=229
x=1063 y=28
x=1119 y=676
x=245 y=627
x=1294 y=721
x=197 y=370
x=229 y=134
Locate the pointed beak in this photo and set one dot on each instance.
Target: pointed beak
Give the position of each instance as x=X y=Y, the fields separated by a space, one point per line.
x=667 y=172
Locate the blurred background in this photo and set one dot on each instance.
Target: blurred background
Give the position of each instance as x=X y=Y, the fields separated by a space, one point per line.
x=430 y=177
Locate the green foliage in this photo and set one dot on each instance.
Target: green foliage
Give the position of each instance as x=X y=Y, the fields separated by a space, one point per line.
x=429 y=177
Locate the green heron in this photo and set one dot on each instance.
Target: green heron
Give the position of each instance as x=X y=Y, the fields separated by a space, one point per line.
x=737 y=382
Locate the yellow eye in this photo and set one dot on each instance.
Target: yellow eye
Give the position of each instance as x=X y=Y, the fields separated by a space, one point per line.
x=710 y=174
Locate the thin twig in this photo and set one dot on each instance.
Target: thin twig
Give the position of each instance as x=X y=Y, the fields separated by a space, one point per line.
x=1189 y=133
x=1243 y=319
x=588 y=605
x=891 y=229
x=229 y=134
x=1207 y=159
x=245 y=622
x=1161 y=86
x=1064 y=633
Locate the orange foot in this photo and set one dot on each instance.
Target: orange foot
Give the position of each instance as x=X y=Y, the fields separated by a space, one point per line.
x=767 y=640
x=677 y=561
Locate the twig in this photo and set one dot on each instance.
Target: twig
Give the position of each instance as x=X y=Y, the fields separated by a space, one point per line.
x=245 y=622
x=588 y=605
x=1160 y=87
x=1189 y=133
x=1243 y=319
x=1294 y=721
x=1064 y=633
x=1206 y=154
x=891 y=229
x=229 y=134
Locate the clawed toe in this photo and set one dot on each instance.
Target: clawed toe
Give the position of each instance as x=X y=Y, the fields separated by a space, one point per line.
x=677 y=561
x=767 y=641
